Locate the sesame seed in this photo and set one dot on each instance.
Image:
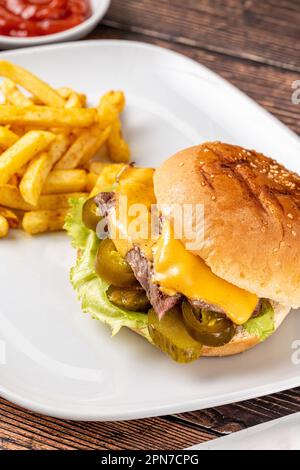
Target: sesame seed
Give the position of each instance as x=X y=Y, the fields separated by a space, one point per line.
x=181 y=163
x=289 y=225
x=294 y=233
x=276 y=250
x=213 y=198
x=290 y=216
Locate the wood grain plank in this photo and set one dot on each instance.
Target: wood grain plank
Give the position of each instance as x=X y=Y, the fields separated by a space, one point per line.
x=269 y=86
x=235 y=417
x=264 y=32
x=22 y=429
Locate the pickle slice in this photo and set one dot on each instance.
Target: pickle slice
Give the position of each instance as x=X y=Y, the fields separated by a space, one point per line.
x=169 y=334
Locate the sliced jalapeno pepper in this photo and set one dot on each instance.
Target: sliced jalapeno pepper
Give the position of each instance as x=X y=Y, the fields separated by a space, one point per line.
x=130 y=298
x=210 y=328
x=90 y=214
x=111 y=267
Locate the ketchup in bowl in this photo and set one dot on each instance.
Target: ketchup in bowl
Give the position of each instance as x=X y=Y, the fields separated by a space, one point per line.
x=27 y=18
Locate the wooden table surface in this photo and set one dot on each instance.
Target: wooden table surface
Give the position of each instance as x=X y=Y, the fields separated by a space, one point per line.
x=256 y=46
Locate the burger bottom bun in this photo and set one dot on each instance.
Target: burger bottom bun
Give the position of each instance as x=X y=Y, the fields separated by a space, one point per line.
x=242 y=340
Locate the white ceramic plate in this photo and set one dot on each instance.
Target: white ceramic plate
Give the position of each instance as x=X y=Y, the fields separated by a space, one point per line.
x=58 y=360
x=279 y=434
x=99 y=8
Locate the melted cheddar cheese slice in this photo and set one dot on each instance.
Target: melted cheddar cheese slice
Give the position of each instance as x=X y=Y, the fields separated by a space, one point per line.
x=178 y=270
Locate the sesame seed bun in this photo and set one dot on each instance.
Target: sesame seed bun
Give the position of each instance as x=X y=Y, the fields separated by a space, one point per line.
x=251 y=216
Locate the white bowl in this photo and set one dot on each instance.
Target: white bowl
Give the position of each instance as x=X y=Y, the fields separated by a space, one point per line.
x=99 y=8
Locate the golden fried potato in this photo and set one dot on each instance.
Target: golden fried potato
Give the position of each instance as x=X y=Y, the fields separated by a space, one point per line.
x=4 y=227
x=84 y=148
x=31 y=83
x=72 y=98
x=44 y=221
x=45 y=117
x=13 y=95
x=39 y=168
x=65 y=181
x=22 y=151
x=14 y=180
x=10 y=216
x=96 y=167
x=118 y=148
x=91 y=181
x=7 y=137
x=10 y=196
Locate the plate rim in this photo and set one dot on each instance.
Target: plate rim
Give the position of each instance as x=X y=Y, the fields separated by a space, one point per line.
x=175 y=407
x=153 y=411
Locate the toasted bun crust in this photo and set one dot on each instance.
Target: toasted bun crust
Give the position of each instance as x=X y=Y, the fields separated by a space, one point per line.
x=251 y=216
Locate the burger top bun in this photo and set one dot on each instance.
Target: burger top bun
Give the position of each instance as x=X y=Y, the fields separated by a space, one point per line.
x=251 y=216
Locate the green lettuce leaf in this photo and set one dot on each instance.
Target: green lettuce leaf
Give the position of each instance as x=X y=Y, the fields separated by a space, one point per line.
x=91 y=289
x=263 y=325
x=73 y=223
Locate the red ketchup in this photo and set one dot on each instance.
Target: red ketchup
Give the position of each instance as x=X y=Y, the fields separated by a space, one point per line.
x=27 y=18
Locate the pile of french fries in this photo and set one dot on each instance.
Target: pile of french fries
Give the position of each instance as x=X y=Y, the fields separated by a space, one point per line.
x=50 y=147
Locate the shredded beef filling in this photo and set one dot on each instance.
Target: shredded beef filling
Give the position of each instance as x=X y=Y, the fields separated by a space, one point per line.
x=105 y=202
x=142 y=271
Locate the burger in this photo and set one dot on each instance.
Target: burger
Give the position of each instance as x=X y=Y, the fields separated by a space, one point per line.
x=218 y=286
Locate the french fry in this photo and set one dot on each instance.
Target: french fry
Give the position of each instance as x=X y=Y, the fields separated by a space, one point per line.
x=110 y=106
x=44 y=221
x=22 y=151
x=91 y=181
x=13 y=95
x=14 y=180
x=21 y=171
x=10 y=196
x=4 y=227
x=31 y=83
x=96 y=167
x=107 y=178
x=7 y=137
x=72 y=98
x=118 y=148
x=65 y=181
x=32 y=182
x=38 y=169
x=45 y=117
x=10 y=216
x=66 y=92
x=84 y=148
x=19 y=130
